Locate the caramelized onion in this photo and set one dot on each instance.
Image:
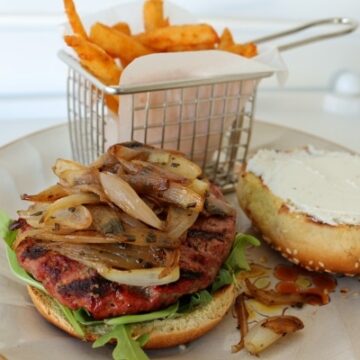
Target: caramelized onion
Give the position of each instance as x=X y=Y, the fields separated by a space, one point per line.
x=72 y=173
x=142 y=277
x=34 y=214
x=70 y=202
x=219 y=207
x=179 y=221
x=124 y=264
x=130 y=150
x=62 y=165
x=242 y=320
x=52 y=193
x=183 y=197
x=265 y=333
x=90 y=188
x=118 y=256
x=199 y=186
x=125 y=197
x=141 y=237
x=284 y=324
x=106 y=220
x=177 y=164
x=161 y=172
x=69 y=218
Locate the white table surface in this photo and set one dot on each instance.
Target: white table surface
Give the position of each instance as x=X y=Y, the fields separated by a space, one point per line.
x=301 y=110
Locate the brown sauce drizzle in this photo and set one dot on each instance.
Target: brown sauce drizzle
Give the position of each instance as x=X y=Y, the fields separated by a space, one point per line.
x=320 y=284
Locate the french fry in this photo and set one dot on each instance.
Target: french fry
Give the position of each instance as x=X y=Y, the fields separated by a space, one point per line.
x=247 y=50
x=179 y=35
x=117 y=44
x=177 y=48
x=227 y=43
x=112 y=102
x=153 y=13
x=122 y=27
x=95 y=59
x=74 y=19
x=226 y=40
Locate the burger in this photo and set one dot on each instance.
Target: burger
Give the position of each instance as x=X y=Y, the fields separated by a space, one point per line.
x=135 y=249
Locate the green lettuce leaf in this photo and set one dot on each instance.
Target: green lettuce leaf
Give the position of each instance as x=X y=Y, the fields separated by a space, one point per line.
x=84 y=318
x=126 y=347
x=188 y=303
x=5 y=233
x=130 y=319
x=9 y=237
x=237 y=259
x=19 y=272
x=70 y=317
x=223 y=278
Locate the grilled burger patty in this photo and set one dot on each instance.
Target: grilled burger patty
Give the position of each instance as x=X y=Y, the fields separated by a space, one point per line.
x=203 y=251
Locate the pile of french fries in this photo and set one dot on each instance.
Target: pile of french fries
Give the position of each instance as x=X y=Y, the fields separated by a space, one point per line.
x=98 y=51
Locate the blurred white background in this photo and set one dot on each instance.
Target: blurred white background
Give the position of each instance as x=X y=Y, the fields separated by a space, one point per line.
x=32 y=78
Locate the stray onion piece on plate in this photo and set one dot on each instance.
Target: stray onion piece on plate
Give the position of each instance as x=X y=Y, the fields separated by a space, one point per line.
x=264 y=333
x=268 y=331
x=123 y=215
x=272 y=297
x=242 y=319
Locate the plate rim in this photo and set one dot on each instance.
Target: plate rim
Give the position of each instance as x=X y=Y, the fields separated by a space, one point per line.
x=255 y=121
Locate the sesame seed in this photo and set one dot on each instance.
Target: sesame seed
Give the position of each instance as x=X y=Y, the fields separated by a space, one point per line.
x=296 y=261
x=356 y=265
x=308 y=268
x=310 y=262
x=321 y=264
x=295 y=252
x=288 y=251
x=350 y=275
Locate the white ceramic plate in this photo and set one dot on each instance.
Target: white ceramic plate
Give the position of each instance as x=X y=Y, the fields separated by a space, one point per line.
x=331 y=331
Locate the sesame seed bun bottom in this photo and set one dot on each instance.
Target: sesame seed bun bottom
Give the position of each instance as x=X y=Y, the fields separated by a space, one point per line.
x=163 y=333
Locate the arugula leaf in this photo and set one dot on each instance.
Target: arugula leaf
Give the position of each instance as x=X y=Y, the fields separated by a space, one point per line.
x=19 y=272
x=143 y=339
x=223 y=278
x=126 y=348
x=5 y=233
x=188 y=303
x=237 y=259
x=9 y=237
x=69 y=314
x=129 y=319
x=84 y=318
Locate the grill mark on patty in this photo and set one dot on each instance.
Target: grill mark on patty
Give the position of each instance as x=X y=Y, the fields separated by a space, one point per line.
x=34 y=252
x=189 y=274
x=203 y=234
x=91 y=286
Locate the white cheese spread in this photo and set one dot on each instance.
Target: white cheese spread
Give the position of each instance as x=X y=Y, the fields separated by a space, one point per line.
x=322 y=184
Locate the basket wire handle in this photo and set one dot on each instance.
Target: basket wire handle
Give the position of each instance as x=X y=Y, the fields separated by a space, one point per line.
x=349 y=24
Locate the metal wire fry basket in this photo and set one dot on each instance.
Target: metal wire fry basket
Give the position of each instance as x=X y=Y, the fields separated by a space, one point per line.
x=210 y=120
